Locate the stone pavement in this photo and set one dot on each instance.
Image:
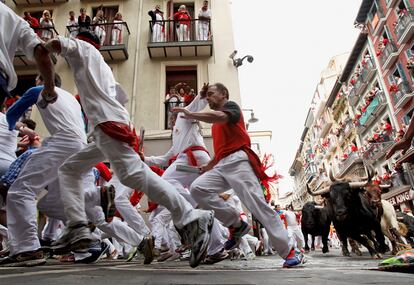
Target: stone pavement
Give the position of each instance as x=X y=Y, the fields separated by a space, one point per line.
x=330 y=269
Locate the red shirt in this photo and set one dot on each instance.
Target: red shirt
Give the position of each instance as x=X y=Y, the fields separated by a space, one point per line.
x=183 y=18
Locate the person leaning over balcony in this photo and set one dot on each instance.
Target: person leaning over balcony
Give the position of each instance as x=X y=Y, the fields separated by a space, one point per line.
x=100 y=28
x=183 y=21
x=405 y=143
x=16 y=34
x=157 y=21
x=116 y=37
x=204 y=18
x=33 y=22
x=46 y=23
x=72 y=25
x=84 y=21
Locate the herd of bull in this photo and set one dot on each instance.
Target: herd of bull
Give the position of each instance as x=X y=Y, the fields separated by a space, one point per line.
x=358 y=214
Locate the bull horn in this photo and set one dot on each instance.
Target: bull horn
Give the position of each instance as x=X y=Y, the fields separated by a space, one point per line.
x=319 y=192
x=331 y=176
x=358 y=184
x=368 y=171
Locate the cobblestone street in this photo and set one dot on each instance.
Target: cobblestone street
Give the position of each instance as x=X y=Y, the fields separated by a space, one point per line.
x=320 y=269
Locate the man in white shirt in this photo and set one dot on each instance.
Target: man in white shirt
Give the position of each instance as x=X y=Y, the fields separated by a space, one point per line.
x=116 y=141
x=16 y=34
x=204 y=18
x=293 y=227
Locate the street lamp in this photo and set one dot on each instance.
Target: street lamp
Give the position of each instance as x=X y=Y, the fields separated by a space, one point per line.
x=252 y=119
x=239 y=61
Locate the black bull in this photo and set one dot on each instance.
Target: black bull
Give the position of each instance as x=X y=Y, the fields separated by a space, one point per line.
x=316 y=222
x=352 y=217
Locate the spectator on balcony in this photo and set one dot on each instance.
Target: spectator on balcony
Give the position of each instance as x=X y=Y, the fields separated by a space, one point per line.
x=33 y=22
x=84 y=21
x=386 y=130
x=158 y=24
x=386 y=178
x=353 y=147
x=204 y=18
x=72 y=25
x=397 y=175
x=189 y=97
x=116 y=36
x=46 y=24
x=367 y=61
x=399 y=136
x=183 y=20
x=100 y=28
x=410 y=62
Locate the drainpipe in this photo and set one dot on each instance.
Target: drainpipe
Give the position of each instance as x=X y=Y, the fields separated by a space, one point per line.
x=136 y=69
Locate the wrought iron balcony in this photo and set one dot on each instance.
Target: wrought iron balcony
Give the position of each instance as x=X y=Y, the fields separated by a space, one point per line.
x=37 y=2
x=403 y=95
x=388 y=55
x=345 y=165
x=177 y=39
x=20 y=59
x=405 y=27
x=353 y=97
x=376 y=106
x=376 y=150
x=114 y=39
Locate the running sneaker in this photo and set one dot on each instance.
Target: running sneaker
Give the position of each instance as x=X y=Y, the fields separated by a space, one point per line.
x=27 y=259
x=95 y=253
x=132 y=254
x=74 y=238
x=146 y=248
x=236 y=235
x=198 y=233
x=294 y=258
x=107 y=202
x=164 y=256
x=217 y=257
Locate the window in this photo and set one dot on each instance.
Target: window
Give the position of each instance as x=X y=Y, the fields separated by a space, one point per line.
x=392 y=78
x=183 y=78
x=407 y=117
x=104 y=32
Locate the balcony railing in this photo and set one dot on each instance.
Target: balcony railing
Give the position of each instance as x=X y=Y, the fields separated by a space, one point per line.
x=405 y=27
x=377 y=150
x=21 y=61
x=170 y=38
x=345 y=165
x=37 y=2
x=402 y=95
x=388 y=55
x=353 y=98
x=349 y=126
x=113 y=38
x=375 y=107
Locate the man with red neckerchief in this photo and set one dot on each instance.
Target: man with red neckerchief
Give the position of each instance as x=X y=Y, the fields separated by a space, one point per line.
x=236 y=166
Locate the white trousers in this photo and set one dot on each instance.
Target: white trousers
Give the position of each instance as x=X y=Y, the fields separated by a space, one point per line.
x=116 y=37
x=157 y=33
x=296 y=234
x=50 y=232
x=183 y=33
x=203 y=30
x=131 y=171
x=235 y=172
x=128 y=212
x=39 y=171
x=101 y=34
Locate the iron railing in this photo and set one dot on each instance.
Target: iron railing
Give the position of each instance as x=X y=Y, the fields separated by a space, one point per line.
x=168 y=31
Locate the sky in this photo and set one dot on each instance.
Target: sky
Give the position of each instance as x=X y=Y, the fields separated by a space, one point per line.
x=291 y=42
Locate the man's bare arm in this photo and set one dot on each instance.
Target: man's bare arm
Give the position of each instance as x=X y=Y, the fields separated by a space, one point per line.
x=45 y=66
x=208 y=116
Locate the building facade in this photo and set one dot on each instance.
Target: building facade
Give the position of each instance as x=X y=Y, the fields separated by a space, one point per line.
x=147 y=58
x=370 y=105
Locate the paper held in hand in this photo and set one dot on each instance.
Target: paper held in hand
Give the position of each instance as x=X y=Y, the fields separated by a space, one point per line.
x=191 y=169
x=141 y=138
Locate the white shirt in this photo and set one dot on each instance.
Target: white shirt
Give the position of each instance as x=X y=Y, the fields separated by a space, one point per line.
x=8 y=140
x=290 y=218
x=95 y=82
x=63 y=119
x=16 y=34
x=206 y=14
x=186 y=133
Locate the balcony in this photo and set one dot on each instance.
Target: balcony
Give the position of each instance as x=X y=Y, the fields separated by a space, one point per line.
x=353 y=97
x=114 y=39
x=376 y=107
x=403 y=95
x=348 y=163
x=349 y=126
x=310 y=171
x=169 y=39
x=377 y=150
x=20 y=60
x=389 y=55
x=37 y=2
x=405 y=27
x=333 y=143
x=325 y=127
